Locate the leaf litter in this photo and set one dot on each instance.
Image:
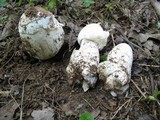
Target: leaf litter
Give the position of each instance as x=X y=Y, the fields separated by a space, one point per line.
x=134 y=23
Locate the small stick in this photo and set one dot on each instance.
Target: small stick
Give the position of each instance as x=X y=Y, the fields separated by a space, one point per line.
x=120 y=108
x=154 y=66
x=88 y=103
x=21 y=105
x=138 y=89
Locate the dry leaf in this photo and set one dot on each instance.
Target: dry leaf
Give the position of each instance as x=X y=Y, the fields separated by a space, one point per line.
x=7 y=111
x=45 y=114
x=67 y=109
x=95 y=112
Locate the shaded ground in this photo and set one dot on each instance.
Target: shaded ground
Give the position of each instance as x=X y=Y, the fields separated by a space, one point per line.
x=44 y=83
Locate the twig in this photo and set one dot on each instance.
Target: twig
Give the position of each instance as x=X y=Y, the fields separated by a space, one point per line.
x=154 y=66
x=15 y=101
x=113 y=39
x=88 y=103
x=21 y=105
x=138 y=89
x=120 y=108
x=8 y=61
x=152 y=81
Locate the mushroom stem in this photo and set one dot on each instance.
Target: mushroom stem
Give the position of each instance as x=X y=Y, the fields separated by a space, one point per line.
x=116 y=71
x=83 y=64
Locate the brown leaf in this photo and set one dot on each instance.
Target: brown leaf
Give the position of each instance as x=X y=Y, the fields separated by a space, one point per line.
x=7 y=111
x=9 y=27
x=156 y=6
x=67 y=109
x=44 y=114
x=95 y=112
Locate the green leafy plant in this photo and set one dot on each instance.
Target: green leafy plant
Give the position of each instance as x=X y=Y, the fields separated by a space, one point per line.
x=3 y=3
x=20 y=2
x=3 y=18
x=29 y=1
x=103 y=57
x=51 y=4
x=110 y=6
x=87 y=3
x=86 y=116
x=154 y=97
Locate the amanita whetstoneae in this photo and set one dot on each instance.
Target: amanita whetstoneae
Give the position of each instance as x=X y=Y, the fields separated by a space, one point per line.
x=84 y=61
x=116 y=70
x=94 y=32
x=41 y=33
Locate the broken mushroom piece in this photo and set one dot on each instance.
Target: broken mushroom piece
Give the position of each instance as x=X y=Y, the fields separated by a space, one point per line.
x=94 y=32
x=83 y=65
x=116 y=71
x=41 y=33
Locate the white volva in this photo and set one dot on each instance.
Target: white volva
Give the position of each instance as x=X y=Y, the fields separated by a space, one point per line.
x=41 y=33
x=95 y=33
x=83 y=65
x=116 y=71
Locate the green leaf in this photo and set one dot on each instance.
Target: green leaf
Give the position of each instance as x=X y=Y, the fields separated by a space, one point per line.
x=51 y=4
x=3 y=3
x=3 y=18
x=86 y=116
x=103 y=57
x=156 y=93
x=152 y=98
x=87 y=3
x=87 y=10
x=110 y=6
x=20 y=2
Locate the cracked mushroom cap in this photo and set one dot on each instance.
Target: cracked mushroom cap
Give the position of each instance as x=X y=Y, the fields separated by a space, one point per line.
x=41 y=33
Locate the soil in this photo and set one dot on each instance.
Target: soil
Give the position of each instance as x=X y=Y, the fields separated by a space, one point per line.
x=28 y=84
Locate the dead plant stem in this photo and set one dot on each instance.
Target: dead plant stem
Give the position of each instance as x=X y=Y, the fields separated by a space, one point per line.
x=120 y=108
x=138 y=89
x=22 y=98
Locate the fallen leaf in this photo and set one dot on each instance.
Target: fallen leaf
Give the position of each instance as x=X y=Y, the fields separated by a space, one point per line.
x=9 y=27
x=7 y=111
x=148 y=44
x=143 y=37
x=102 y=116
x=95 y=112
x=156 y=6
x=67 y=109
x=139 y=36
x=4 y=93
x=156 y=48
x=45 y=114
x=145 y=117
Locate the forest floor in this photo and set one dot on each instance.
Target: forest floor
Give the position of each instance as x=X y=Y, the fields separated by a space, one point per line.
x=28 y=85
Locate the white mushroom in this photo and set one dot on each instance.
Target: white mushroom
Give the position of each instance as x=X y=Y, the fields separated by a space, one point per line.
x=116 y=71
x=41 y=33
x=95 y=33
x=83 y=65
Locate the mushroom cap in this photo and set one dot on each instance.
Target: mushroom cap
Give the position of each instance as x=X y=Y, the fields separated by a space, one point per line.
x=41 y=33
x=94 y=32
